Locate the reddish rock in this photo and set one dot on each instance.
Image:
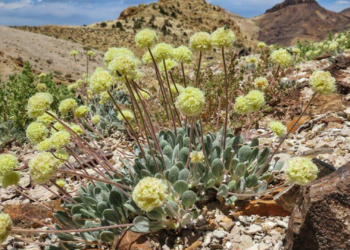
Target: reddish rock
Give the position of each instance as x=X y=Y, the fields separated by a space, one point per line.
x=321 y=217
x=302 y=121
x=133 y=241
x=262 y=208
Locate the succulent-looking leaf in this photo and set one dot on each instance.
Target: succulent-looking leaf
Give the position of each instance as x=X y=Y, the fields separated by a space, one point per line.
x=180 y=187
x=173 y=174
x=107 y=236
x=251 y=181
x=189 y=198
x=223 y=191
x=141 y=224
x=217 y=167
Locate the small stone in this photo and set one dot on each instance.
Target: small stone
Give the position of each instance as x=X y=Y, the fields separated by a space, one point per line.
x=269 y=225
x=207 y=239
x=227 y=224
x=220 y=234
x=253 y=229
x=246 y=241
x=282 y=224
x=255 y=247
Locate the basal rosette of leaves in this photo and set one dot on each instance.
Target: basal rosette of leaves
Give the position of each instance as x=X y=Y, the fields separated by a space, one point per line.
x=237 y=172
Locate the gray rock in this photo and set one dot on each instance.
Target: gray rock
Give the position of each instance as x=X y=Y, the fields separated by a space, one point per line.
x=253 y=229
x=220 y=234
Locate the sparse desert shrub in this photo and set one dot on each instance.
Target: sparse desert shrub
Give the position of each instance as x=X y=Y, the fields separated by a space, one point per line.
x=14 y=96
x=103 y=24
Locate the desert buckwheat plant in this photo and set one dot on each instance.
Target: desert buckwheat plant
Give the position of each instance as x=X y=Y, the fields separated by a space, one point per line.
x=177 y=161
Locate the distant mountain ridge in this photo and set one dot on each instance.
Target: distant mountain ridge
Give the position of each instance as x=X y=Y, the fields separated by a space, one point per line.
x=287 y=3
x=346 y=12
x=291 y=20
x=176 y=20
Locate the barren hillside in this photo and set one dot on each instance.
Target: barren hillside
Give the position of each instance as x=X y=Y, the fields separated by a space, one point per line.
x=46 y=54
x=175 y=21
x=299 y=19
x=346 y=12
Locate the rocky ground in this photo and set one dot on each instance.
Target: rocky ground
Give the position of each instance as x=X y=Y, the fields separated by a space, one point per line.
x=323 y=133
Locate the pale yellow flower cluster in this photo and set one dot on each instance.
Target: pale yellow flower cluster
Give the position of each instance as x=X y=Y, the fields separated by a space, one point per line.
x=42 y=167
x=197 y=157
x=5 y=226
x=278 y=128
x=302 y=170
x=322 y=82
x=150 y=193
x=191 y=101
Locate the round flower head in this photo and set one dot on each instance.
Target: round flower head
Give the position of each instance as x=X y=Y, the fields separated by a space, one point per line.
x=123 y=65
x=96 y=119
x=47 y=119
x=5 y=226
x=11 y=179
x=146 y=38
x=278 y=128
x=72 y=86
x=42 y=167
x=261 y=45
x=61 y=183
x=201 y=41
x=197 y=157
x=62 y=156
x=282 y=57
x=255 y=100
x=91 y=53
x=301 y=170
x=114 y=52
x=74 y=53
x=68 y=105
x=147 y=58
x=143 y=94
x=77 y=129
x=241 y=105
x=81 y=111
x=57 y=126
x=36 y=132
x=223 y=37
x=261 y=83
x=127 y=114
x=41 y=87
x=322 y=82
x=333 y=46
x=150 y=193
x=191 y=101
x=183 y=54
x=104 y=97
x=38 y=104
x=100 y=81
x=42 y=75
x=308 y=54
x=163 y=51
x=296 y=51
x=252 y=60
x=176 y=89
x=60 y=139
x=44 y=145
x=8 y=162
x=169 y=64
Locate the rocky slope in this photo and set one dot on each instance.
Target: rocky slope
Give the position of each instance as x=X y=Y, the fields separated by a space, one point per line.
x=174 y=20
x=46 y=54
x=346 y=12
x=298 y=19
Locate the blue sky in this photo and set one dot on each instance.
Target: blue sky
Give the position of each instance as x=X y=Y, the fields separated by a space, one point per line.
x=79 y=12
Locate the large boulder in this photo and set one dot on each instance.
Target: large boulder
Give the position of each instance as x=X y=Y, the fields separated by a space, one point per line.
x=321 y=217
